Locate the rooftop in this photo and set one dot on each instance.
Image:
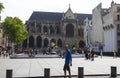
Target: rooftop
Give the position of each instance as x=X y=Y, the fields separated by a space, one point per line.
x=55 y=16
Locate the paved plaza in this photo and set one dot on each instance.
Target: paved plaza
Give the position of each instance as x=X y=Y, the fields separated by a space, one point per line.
x=35 y=66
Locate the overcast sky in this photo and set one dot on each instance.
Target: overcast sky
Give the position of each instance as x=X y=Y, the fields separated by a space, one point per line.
x=24 y=8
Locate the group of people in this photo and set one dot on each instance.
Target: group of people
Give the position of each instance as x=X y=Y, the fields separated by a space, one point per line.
x=89 y=54
x=32 y=52
x=5 y=53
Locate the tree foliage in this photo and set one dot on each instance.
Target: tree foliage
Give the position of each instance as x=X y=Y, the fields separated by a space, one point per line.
x=1 y=7
x=14 y=30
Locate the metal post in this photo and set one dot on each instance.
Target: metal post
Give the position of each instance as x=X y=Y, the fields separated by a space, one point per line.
x=80 y=72
x=9 y=73
x=113 y=71
x=47 y=73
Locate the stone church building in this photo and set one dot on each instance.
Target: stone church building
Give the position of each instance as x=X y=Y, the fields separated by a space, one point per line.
x=45 y=28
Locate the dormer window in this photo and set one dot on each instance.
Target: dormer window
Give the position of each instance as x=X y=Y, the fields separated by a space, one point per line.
x=69 y=14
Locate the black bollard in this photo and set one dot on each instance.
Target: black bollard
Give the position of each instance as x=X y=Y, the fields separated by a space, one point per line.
x=113 y=71
x=47 y=73
x=9 y=73
x=80 y=72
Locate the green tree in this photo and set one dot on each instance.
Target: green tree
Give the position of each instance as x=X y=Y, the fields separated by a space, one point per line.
x=13 y=29
x=1 y=7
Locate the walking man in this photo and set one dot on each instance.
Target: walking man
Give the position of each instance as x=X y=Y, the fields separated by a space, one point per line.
x=68 y=61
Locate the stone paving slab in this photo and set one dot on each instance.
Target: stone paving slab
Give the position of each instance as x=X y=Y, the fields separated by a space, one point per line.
x=35 y=67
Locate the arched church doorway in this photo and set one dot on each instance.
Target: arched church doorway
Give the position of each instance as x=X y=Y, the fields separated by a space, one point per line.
x=24 y=45
x=31 y=41
x=39 y=42
x=46 y=42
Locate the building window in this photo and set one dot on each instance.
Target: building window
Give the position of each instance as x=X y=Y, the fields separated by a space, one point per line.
x=45 y=30
x=118 y=9
x=32 y=28
x=118 y=17
x=38 y=28
x=52 y=30
x=118 y=26
x=70 y=30
x=118 y=33
x=57 y=30
x=118 y=42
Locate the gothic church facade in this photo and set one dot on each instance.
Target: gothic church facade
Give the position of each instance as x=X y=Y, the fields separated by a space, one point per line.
x=45 y=28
